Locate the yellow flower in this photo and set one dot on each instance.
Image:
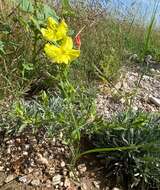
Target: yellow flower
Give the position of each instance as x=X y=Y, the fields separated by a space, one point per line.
x=54 y=31
x=62 y=54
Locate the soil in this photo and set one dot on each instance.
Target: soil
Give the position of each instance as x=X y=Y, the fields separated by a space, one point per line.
x=126 y=93
x=36 y=162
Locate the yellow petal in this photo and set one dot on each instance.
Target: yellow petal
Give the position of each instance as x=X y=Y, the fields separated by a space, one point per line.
x=73 y=54
x=67 y=44
x=64 y=58
x=52 y=24
x=52 y=52
x=48 y=34
x=62 y=30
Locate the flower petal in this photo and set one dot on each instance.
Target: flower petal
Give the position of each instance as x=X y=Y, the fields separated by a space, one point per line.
x=73 y=54
x=67 y=44
x=48 y=34
x=52 y=52
x=62 y=30
x=52 y=24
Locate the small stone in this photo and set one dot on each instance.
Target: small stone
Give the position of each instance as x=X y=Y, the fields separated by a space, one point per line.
x=51 y=171
x=92 y=174
x=9 y=150
x=1 y=168
x=62 y=149
x=18 y=140
x=65 y=171
x=84 y=186
x=82 y=168
x=63 y=164
x=122 y=100
x=118 y=85
x=42 y=160
x=96 y=184
x=67 y=183
x=35 y=182
x=19 y=148
x=24 y=179
x=115 y=188
x=152 y=70
x=135 y=108
x=54 y=141
x=27 y=147
x=48 y=184
x=154 y=100
x=9 y=142
x=25 y=153
x=9 y=178
x=30 y=170
x=56 y=179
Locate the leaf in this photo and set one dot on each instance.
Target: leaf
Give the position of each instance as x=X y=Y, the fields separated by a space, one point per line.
x=36 y=23
x=26 y=5
x=5 y=28
x=46 y=11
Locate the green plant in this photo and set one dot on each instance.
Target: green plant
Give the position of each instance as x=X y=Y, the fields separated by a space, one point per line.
x=103 y=49
x=130 y=147
x=150 y=29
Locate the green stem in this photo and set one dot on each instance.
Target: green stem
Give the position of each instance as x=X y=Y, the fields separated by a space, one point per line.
x=35 y=48
x=98 y=150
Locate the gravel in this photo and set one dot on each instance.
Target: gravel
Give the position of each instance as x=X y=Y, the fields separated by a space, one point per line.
x=113 y=100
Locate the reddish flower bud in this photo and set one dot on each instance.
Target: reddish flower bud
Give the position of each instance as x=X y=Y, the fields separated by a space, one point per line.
x=78 y=41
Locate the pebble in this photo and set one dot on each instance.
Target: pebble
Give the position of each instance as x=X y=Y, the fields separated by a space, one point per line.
x=30 y=170
x=96 y=184
x=27 y=147
x=48 y=184
x=1 y=168
x=56 y=179
x=63 y=164
x=154 y=100
x=116 y=188
x=84 y=186
x=35 y=182
x=65 y=171
x=24 y=179
x=42 y=159
x=51 y=171
x=82 y=168
x=67 y=183
x=25 y=153
x=9 y=178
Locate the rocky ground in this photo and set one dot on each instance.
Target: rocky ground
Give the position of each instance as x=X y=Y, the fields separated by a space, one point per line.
x=113 y=99
x=37 y=162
